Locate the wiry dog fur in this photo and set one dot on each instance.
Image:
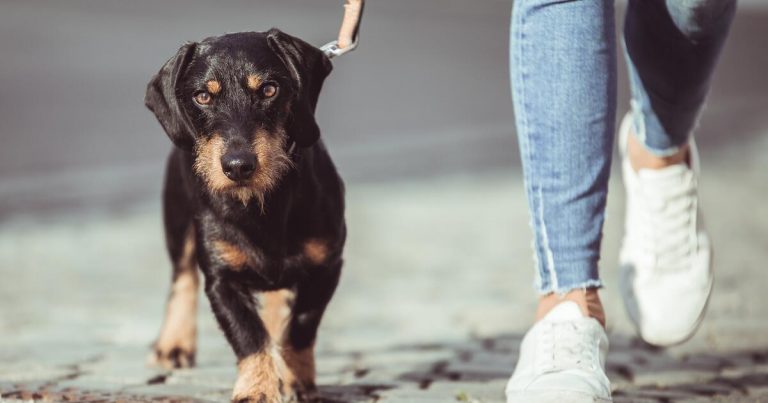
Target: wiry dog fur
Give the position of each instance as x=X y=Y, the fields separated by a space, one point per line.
x=275 y=231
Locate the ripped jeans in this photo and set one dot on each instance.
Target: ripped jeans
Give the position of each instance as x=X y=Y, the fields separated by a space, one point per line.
x=563 y=73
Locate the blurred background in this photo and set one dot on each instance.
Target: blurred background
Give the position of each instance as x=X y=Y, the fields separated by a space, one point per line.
x=426 y=94
x=419 y=121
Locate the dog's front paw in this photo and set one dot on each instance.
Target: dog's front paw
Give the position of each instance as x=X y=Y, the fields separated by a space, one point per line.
x=261 y=379
x=171 y=356
x=263 y=398
x=248 y=391
x=300 y=373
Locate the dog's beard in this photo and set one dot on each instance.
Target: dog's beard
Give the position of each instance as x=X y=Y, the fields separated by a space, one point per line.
x=273 y=163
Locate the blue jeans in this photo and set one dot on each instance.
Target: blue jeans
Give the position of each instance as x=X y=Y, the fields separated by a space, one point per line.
x=563 y=70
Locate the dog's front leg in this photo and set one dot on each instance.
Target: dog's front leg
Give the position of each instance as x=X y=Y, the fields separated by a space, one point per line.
x=313 y=293
x=260 y=367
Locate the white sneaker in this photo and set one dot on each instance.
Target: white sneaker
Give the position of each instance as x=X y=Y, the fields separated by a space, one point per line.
x=562 y=360
x=665 y=262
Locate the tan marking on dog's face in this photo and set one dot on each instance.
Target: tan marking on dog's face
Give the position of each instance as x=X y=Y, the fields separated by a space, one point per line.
x=316 y=250
x=208 y=154
x=176 y=345
x=213 y=86
x=230 y=254
x=273 y=162
x=275 y=310
x=253 y=81
x=301 y=367
x=261 y=377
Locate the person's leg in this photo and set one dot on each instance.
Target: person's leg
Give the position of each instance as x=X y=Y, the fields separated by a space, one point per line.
x=666 y=277
x=672 y=47
x=562 y=60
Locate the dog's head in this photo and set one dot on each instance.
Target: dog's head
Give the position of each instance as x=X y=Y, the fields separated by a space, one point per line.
x=239 y=102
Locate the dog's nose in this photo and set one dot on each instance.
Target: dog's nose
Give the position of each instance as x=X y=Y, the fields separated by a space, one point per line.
x=238 y=166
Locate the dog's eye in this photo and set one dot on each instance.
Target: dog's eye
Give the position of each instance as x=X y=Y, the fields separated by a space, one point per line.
x=268 y=90
x=203 y=98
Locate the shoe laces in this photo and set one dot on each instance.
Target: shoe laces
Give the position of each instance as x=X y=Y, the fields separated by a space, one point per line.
x=667 y=220
x=565 y=345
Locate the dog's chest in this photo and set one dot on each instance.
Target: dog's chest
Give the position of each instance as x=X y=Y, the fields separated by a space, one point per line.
x=274 y=263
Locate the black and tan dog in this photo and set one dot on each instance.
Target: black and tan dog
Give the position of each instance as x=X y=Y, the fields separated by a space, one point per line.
x=252 y=197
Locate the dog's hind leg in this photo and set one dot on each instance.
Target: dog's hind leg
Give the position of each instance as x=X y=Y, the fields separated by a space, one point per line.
x=176 y=345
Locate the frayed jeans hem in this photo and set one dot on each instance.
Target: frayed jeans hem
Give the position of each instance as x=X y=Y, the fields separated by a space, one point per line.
x=564 y=289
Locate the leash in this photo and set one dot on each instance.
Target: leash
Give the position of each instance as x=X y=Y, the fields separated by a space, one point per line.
x=349 y=37
x=349 y=34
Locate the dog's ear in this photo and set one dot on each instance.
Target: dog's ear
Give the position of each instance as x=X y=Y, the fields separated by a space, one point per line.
x=308 y=67
x=162 y=98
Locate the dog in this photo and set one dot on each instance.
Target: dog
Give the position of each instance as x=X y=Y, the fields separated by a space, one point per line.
x=252 y=198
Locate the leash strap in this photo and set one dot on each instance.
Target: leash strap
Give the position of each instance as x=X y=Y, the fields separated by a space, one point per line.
x=349 y=32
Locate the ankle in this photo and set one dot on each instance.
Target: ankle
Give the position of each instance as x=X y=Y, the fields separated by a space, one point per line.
x=641 y=158
x=587 y=299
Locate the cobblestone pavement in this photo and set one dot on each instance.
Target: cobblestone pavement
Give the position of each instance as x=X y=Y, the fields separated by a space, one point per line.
x=436 y=294
x=474 y=370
